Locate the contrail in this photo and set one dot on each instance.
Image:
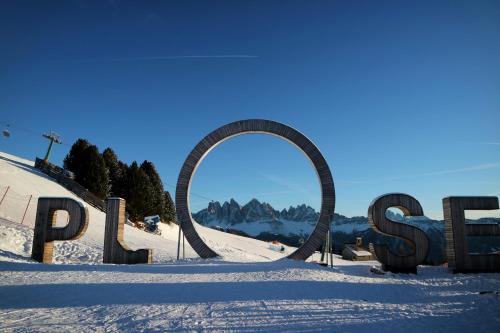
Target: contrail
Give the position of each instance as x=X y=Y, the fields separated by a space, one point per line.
x=291 y=186
x=487 y=143
x=485 y=166
x=213 y=56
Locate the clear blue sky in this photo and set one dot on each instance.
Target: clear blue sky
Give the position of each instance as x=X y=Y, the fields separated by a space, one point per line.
x=399 y=96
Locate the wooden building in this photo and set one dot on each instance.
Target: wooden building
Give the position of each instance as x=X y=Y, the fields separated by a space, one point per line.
x=356 y=251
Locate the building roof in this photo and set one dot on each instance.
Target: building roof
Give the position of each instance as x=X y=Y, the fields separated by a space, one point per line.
x=358 y=253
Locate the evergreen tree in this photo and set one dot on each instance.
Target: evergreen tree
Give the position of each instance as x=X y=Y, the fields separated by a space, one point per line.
x=157 y=201
x=104 y=174
x=94 y=175
x=74 y=160
x=170 y=215
x=120 y=185
x=116 y=170
x=89 y=168
x=139 y=192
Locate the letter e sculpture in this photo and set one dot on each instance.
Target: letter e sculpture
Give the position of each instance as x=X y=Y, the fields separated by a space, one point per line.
x=456 y=230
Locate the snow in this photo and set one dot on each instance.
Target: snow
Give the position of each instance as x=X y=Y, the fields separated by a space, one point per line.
x=24 y=180
x=254 y=228
x=359 y=253
x=80 y=294
x=349 y=228
x=257 y=217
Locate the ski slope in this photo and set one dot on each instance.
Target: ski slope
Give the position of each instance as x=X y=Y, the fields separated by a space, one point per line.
x=25 y=180
x=79 y=294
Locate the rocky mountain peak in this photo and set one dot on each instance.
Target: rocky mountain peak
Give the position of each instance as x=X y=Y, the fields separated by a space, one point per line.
x=233 y=213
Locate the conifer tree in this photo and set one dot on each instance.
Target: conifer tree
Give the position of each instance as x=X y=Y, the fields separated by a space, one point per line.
x=89 y=167
x=74 y=160
x=120 y=185
x=157 y=201
x=170 y=215
x=116 y=171
x=94 y=174
x=139 y=192
x=104 y=174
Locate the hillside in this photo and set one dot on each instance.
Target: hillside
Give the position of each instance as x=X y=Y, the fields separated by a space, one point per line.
x=79 y=294
x=24 y=180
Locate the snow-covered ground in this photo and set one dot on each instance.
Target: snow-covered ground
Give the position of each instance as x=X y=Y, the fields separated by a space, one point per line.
x=281 y=227
x=79 y=294
x=24 y=180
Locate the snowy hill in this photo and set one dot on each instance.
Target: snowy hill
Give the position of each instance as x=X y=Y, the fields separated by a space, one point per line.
x=78 y=294
x=24 y=180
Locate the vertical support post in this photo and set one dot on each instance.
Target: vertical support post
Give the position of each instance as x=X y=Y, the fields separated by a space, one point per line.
x=183 y=247
x=46 y=158
x=323 y=249
x=179 y=241
x=327 y=247
x=26 y=210
x=3 y=197
x=331 y=247
x=330 y=238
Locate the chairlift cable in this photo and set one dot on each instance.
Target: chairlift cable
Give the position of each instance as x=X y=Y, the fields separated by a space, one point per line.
x=192 y=193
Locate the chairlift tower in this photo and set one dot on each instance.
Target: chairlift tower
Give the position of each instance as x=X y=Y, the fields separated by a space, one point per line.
x=53 y=137
x=6 y=132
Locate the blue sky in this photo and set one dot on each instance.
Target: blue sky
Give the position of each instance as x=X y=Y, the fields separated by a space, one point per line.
x=399 y=96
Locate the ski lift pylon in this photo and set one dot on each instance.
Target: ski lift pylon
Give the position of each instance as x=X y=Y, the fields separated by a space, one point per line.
x=6 y=132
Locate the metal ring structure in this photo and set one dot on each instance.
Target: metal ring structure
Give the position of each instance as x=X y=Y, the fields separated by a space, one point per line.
x=251 y=126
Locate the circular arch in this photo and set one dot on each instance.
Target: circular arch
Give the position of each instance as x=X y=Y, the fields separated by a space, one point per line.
x=221 y=134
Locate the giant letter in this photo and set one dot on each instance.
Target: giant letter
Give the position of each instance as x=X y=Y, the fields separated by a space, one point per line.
x=249 y=126
x=45 y=234
x=413 y=236
x=459 y=258
x=115 y=250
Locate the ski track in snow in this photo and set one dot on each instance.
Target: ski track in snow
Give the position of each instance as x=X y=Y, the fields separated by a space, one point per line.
x=78 y=294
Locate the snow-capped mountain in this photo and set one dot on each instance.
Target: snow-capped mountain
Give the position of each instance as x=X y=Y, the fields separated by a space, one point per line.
x=232 y=213
x=293 y=225
x=259 y=219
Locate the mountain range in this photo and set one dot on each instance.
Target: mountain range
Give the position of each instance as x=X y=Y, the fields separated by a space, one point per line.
x=293 y=225
x=260 y=220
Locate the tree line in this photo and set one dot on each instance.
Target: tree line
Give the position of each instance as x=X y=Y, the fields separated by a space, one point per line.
x=105 y=175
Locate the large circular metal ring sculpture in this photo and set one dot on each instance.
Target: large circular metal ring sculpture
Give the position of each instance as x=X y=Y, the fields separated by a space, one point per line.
x=228 y=131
